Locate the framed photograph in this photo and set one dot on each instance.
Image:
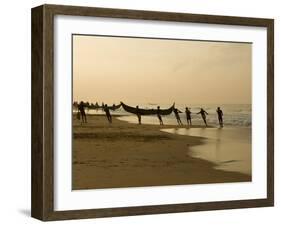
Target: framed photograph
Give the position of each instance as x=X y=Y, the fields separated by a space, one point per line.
x=141 y=112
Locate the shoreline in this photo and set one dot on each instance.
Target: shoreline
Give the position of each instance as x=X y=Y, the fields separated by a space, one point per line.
x=165 y=126
x=125 y=154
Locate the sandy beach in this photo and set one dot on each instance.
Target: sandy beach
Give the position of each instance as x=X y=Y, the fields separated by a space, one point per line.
x=123 y=154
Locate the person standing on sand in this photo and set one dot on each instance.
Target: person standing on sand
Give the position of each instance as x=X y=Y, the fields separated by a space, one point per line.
x=188 y=116
x=159 y=116
x=107 y=112
x=138 y=114
x=203 y=115
x=220 y=114
x=81 y=109
x=176 y=111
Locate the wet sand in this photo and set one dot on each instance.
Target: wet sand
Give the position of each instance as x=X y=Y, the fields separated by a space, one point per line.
x=229 y=147
x=123 y=154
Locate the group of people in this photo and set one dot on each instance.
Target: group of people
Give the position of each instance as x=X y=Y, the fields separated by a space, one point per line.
x=81 y=111
x=202 y=112
x=188 y=113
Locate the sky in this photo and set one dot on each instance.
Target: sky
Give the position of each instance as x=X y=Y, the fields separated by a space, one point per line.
x=143 y=70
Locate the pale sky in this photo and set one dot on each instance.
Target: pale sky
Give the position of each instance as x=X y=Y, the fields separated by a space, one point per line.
x=138 y=70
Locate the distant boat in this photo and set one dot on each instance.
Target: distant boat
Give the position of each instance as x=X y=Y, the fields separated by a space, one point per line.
x=141 y=111
x=114 y=107
x=96 y=107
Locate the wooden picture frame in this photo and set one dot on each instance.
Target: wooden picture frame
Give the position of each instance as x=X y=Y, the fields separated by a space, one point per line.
x=43 y=109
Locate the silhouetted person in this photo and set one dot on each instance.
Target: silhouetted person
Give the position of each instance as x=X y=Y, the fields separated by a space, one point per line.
x=203 y=115
x=97 y=106
x=75 y=104
x=188 y=116
x=81 y=108
x=138 y=114
x=176 y=111
x=107 y=112
x=159 y=116
x=75 y=107
x=220 y=114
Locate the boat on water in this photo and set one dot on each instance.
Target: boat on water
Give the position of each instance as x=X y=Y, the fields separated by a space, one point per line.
x=142 y=111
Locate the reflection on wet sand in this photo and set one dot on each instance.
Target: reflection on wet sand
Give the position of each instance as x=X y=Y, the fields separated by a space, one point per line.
x=229 y=148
